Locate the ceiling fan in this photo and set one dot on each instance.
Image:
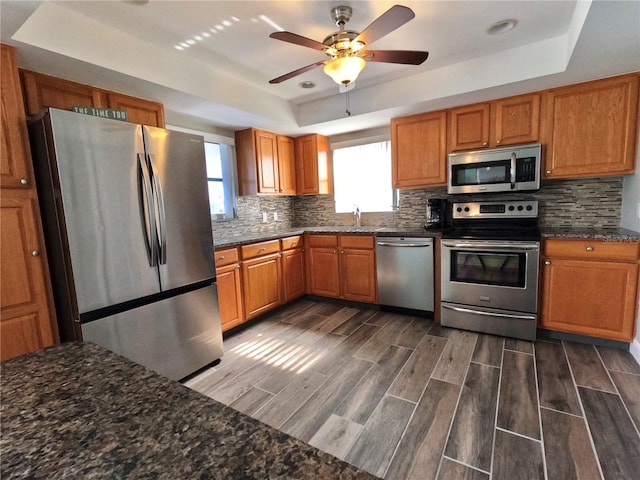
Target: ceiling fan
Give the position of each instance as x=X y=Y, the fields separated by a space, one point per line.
x=346 y=48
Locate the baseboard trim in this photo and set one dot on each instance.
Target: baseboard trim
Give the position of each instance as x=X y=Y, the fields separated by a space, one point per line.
x=634 y=349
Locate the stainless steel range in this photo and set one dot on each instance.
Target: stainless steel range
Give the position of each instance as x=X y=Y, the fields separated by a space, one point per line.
x=490 y=268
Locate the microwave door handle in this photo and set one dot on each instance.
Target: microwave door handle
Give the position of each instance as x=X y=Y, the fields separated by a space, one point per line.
x=513 y=170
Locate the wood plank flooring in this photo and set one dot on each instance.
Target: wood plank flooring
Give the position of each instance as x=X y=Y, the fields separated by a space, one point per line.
x=405 y=399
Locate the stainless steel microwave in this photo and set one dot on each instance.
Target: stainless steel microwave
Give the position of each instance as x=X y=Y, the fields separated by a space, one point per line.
x=508 y=169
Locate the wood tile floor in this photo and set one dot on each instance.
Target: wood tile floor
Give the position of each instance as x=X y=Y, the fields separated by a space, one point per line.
x=405 y=399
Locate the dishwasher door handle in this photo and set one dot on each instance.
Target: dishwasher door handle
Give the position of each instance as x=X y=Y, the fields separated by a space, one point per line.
x=393 y=244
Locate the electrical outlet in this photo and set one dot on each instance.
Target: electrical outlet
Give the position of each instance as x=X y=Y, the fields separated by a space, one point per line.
x=264 y=217
x=275 y=216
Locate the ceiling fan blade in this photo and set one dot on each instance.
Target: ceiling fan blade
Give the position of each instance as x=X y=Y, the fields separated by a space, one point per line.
x=393 y=18
x=297 y=72
x=298 y=40
x=407 y=57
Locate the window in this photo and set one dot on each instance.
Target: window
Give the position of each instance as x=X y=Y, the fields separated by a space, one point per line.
x=362 y=177
x=220 y=178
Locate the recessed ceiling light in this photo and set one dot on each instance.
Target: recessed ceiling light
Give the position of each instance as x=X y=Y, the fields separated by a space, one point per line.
x=307 y=84
x=502 y=26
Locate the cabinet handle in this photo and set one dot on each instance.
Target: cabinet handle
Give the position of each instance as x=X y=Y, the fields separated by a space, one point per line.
x=221 y=257
x=335 y=251
x=548 y=172
x=262 y=249
x=342 y=252
x=24 y=181
x=497 y=142
x=547 y=262
x=484 y=144
x=589 y=249
x=35 y=253
x=237 y=267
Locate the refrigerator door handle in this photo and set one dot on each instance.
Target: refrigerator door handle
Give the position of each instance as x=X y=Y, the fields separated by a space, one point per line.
x=161 y=217
x=147 y=209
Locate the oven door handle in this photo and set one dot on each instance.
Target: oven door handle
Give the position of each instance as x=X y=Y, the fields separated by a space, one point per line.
x=513 y=170
x=488 y=314
x=491 y=247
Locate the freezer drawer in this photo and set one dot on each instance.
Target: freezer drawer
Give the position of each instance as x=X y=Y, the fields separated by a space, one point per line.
x=174 y=337
x=405 y=272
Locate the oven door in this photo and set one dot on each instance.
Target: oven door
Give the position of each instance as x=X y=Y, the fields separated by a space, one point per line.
x=490 y=273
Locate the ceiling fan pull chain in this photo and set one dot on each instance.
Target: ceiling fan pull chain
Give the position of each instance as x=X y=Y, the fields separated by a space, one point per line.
x=348 y=107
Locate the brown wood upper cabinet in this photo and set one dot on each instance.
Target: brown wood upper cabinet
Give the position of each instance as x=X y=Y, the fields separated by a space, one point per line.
x=590 y=129
x=419 y=150
x=313 y=165
x=508 y=121
x=43 y=91
x=589 y=287
x=265 y=163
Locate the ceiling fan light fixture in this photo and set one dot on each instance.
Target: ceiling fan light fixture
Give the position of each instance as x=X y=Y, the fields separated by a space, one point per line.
x=344 y=70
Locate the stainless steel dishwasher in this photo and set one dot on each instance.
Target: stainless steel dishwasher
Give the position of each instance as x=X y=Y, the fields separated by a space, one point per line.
x=405 y=272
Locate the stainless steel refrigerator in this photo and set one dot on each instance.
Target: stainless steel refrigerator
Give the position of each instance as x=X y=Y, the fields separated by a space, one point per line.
x=128 y=233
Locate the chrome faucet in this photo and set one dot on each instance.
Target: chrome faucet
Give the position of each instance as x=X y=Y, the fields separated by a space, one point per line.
x=356 y=212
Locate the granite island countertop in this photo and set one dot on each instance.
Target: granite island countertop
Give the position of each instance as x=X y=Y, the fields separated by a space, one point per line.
x=79 y=411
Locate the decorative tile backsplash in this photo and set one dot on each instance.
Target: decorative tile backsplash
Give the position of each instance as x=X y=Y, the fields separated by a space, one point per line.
x=593 y=202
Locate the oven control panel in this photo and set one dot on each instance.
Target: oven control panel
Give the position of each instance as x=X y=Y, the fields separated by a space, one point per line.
x=512 y=209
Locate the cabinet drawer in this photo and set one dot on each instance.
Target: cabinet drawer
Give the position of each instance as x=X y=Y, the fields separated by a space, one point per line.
x=592 y=249
x=292 y=242
x=323 y=240
x=227 y=256
x=356 y=241
x=262 y=248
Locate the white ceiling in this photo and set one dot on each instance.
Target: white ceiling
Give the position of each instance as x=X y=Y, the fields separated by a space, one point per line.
x=221 y=82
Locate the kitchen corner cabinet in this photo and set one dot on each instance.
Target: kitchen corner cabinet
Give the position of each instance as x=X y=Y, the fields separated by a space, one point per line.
x=27 y=319
x=229 y=284
x=590 y=129
x=41 y=91
x=589 y=287
x=293 y=266
x=342 y=266
x=418 y=150
x=508 y=121
x=261 y=277
x=265 y=163
x=313 y=165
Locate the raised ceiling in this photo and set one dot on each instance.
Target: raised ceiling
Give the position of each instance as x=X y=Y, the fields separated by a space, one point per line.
x=221 y=79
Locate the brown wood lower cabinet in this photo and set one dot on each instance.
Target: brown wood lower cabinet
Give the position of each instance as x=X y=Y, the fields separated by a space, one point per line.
x=261 y=277
x=229 y=288
x=27 y=322
x=293 y=268
x=589 y=287
x=342 y=266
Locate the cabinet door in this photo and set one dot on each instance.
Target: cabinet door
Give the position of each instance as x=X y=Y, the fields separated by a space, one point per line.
x=517 y=120
x=15 y=159
x=44 y=91
x=313 y=166
x=286 y=165
x=261 y=282
x=590 y=129
x=138 y=110
x=358 y=275
x=27 y=322
x=230 y=296
x=418 y=150
x=590 y=298
x=324 y=277
x=267 y=159
x=469 y=127
x=293 y=273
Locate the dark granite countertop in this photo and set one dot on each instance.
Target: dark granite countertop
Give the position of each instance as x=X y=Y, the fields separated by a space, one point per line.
x=366 y=230
x=79 y=411
x=612 y=234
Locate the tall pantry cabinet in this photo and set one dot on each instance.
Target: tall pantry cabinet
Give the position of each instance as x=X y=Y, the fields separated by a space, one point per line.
x=27 y=320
